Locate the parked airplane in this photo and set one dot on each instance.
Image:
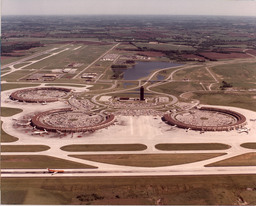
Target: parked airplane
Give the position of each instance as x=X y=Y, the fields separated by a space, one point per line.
x=23 y=124
x=39 y=132
x=246 y=130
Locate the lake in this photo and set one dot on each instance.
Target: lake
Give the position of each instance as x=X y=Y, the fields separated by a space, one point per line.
x=143 y=69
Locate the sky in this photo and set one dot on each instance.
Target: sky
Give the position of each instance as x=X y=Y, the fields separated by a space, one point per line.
x=129 y=7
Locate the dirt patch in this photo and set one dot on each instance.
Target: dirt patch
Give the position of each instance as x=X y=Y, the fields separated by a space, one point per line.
x=151 y=54
x=215 y=55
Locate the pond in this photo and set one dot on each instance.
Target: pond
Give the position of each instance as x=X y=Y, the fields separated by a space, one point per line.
x=143 y=69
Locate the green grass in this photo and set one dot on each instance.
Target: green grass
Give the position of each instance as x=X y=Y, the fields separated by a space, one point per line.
x=6 y=137
x=5 y=70
x=104 y=147
x=249 y=145
x=149 y=160
x=243 y=72
x=66 y=85
x=37 y=162
x=100 y=86
x=242 y=99
x=237 y=85
x=8 y=112
x=192 y=146
x=9 y=86
x=173 y=190
x=14 y=76
x=20 y=65
x=197 y=73
x=43 y=56
x=248 y=159
x=24 y=148
x=177 y=88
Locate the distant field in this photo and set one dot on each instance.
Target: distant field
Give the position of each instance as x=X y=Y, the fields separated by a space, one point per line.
x=165 y=47
x=8 y=112
x=220 y=56
x=37 y=162
x=192 y=146
x=248 y=159
x=104 y=147
x=172 y=190
x=149 y=160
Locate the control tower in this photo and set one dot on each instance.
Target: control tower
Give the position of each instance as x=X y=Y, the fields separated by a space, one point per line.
x=142 y=93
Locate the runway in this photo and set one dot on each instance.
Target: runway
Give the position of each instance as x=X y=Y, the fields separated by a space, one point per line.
x=11 y=173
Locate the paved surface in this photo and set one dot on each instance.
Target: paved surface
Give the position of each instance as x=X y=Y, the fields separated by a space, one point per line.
x=146 y=130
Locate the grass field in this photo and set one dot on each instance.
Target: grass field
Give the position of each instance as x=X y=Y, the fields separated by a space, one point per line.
x=24 y=148
x=100 y=86
x=192 y=146
x=6 y=137
x=8 y=112
x=104 y=147
x=177 y=88
x=249 y=145
x=197 y=73
x=237 y=86
x=248 y=159
x=242 y=100
x=29 y=52
x=172 y=190
x=65 y=85
x=9 y=86
x=84 y=56
x=37 y=162
x=5 y=70
x=149 y=160
x=236 y=72
x=16 y=66
x=15 y=76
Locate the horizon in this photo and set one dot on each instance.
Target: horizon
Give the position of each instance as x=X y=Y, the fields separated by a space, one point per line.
x=139 y=15
x=131 y=7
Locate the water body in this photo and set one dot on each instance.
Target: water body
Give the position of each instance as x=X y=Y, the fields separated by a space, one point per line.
x=143 y=69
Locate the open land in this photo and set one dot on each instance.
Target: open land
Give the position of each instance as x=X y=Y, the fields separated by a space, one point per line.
x=67 y=103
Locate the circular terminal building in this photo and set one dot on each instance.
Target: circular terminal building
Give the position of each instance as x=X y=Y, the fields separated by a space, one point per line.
x=40 y=95
x=206 y=119
x=67 y=120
